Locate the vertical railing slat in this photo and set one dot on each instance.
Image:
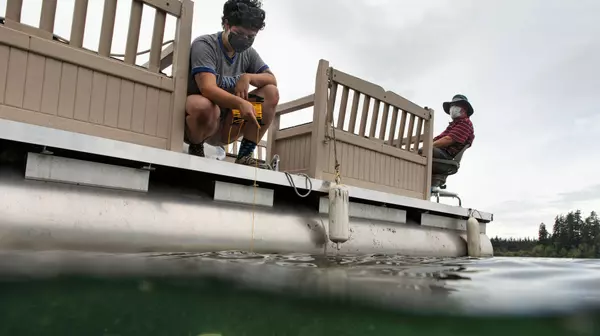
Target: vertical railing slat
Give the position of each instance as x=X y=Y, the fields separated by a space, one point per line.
x=364 y=116
x=108 y=27
x=374 y=118
x=133 y=33
x=402 y=128
x=48 y=15
x=418 y=136
x=394 y=127
x=13 y=10
x=384 y=118
x=78 y=24
x=331 y=102
x=411 y=128
x=157 y=39
x=354 y=111
x=343 y=108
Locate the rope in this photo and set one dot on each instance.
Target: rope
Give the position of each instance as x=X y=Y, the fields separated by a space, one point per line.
x=307 y=183
x=472 y=211
x=338 y=176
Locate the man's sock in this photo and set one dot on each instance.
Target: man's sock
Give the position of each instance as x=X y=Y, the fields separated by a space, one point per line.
x=246 y=148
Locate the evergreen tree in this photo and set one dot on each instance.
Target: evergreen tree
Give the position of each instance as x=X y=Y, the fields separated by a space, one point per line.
x=543 y=234
x=571 y=237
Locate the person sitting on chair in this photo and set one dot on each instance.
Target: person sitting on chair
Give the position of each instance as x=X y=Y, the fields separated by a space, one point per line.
x=222 y=67
x=457 y=135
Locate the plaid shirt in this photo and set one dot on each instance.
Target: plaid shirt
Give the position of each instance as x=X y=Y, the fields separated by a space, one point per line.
x=461 y=131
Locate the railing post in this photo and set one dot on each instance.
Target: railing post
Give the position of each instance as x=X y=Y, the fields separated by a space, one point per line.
x=13 y=10
x=183 y=38
x=319 y=153
x=108 y=27
x=48 y=15
x=78 y=24
x=428 y=151
x=272 y=136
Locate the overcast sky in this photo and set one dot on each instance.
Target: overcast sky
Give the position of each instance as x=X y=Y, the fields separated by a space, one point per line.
x=530 y=68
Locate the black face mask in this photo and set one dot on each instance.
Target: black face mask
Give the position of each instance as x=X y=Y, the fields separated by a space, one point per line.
x=239 y=42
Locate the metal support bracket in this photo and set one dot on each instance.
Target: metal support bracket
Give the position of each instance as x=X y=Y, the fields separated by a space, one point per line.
x=52 y=168
x=236 y=193
x=367 y=211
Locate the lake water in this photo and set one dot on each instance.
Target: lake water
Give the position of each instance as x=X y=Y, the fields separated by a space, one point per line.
x=238 y=293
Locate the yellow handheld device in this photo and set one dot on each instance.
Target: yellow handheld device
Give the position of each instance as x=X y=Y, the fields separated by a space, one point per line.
x=257 y=103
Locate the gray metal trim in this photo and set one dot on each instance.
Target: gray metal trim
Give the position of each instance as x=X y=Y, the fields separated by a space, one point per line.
x=367 y=211
x=236 y=193
x=448 y=223
x=65 y=170
x=27 y=133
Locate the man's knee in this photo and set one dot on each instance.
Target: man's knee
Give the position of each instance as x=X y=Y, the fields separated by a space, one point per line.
x=202 y=109
x=271 y=94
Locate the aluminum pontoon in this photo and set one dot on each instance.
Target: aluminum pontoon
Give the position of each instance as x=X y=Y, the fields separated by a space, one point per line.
x=92 y=155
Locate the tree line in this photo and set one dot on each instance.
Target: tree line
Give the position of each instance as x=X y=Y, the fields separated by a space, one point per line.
x=572 y=236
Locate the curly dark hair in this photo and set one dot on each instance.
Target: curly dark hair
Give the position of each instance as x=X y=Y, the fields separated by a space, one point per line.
x=244 y=13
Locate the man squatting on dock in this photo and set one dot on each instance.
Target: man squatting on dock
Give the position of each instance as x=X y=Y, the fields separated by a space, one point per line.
x=222 y=67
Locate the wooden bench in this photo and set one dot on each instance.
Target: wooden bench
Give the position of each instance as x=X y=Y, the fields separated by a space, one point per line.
x=48 y=81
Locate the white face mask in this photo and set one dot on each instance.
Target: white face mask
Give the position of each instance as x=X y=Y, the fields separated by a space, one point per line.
x=455 y=112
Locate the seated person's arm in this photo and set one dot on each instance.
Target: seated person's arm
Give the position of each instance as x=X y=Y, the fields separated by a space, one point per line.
x=258 y=72
x=443 y=142
x=460 y=133
x=203 y=58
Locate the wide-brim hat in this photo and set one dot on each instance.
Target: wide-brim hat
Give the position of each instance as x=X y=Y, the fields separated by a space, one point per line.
x=460 y=100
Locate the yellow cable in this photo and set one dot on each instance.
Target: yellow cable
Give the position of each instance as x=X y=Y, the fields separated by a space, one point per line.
x=255 y=185
x=254 y=198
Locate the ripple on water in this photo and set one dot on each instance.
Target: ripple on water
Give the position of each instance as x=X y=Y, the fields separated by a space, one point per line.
x=513 y=285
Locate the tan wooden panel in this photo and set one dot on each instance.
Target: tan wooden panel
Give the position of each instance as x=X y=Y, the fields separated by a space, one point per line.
x=294 y=153
x=34 y=81
x=51 y=86
x=151 y=119
x=111 y=107
x=72 y=125
x=377 y=168
x=139 y=108
x=125 y=104
x=98 y=102
x=164 y=114
x=4 y=53
x=373 y=186
x=15 y=79
x=68 y=85
x=83 y=94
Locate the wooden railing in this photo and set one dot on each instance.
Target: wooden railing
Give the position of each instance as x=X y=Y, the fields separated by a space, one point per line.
x=55 y=82
x=368 y=121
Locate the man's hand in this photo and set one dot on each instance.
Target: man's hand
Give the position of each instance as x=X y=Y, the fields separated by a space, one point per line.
x=247 y=112
x=242 y=86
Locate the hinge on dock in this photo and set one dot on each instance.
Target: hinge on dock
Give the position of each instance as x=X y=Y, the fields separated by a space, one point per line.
x=149 y=167
x=46 y=151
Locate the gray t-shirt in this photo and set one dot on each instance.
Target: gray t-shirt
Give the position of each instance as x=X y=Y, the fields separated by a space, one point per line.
x=207 y=54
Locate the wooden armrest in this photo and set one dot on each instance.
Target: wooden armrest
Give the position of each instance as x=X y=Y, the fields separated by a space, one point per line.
x=296 y=105
x=166 y=58
x=447 y=162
